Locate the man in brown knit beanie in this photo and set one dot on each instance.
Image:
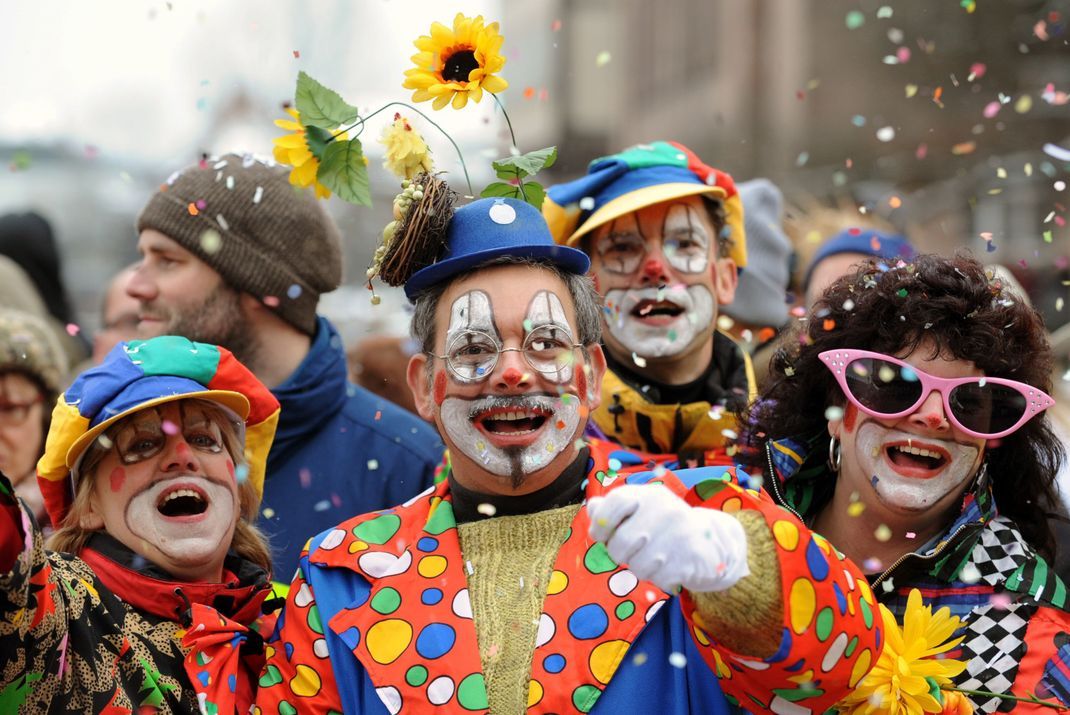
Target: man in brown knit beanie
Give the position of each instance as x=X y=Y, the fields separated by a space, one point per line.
x=233 y=255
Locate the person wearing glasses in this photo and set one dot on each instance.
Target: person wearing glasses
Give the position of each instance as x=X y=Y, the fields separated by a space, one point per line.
x=544 y=572
x=905 y=423
x=665 y=235
x=32 y=369
x=150 y=595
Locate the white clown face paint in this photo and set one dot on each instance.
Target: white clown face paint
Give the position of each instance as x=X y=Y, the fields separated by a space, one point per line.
x=660 y=322
x=515 y=395
x=546 y=328
x=472 y=427
x=167 y=489
x=184 y=539
x=909 y=472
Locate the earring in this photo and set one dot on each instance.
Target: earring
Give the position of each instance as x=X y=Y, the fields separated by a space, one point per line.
x=835 y=457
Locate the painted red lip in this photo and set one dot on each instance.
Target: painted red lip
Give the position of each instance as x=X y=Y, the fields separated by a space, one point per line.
x=916 y=466
x=494 y=423
x=187 y=507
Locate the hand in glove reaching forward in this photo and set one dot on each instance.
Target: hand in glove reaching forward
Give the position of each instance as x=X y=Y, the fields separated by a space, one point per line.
x=664 y=540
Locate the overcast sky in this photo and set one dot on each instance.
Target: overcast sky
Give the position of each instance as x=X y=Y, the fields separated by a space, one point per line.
x=140 y=81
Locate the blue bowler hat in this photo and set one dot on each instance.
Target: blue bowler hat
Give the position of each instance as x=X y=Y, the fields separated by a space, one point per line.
x=489 y=228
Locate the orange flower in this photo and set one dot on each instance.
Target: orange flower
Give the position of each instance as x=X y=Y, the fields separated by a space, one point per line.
x=955 y=703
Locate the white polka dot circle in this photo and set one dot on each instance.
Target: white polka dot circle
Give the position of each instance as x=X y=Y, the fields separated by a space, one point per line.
x=502 y=213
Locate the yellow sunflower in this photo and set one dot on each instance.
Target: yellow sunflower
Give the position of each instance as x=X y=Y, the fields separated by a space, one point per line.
x=293 y=149
x=907 y=677
x=458 y=64
x=406 y=151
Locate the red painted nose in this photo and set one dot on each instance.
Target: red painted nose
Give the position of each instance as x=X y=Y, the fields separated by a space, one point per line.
x=653 y=268
x=512 y=376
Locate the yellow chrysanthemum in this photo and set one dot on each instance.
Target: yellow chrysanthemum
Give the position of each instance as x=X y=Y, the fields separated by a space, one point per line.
x=406 y=151
x=293 y=149
x=457 y=65
x=907 y=674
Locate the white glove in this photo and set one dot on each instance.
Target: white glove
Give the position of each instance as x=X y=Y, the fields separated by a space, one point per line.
x=664 y=540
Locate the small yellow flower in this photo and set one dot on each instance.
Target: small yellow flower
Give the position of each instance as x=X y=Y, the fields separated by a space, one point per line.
x=293 y=149
x=907 y=674
x=458 y=64
x=406 y=151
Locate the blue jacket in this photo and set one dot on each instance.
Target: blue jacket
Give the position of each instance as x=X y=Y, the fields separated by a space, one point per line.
x=339 y=451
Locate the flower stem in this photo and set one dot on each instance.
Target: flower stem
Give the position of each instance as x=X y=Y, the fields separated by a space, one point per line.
x=512 y=136
x=361 y=120
x=1031 y=699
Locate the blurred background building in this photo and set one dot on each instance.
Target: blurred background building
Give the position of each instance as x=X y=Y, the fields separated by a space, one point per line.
x=949 y=119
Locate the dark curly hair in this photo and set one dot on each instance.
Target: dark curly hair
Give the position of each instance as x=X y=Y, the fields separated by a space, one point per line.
x=966 y=313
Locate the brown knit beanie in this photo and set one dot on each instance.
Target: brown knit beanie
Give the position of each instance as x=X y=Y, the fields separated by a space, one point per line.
x=28 y=345
x=241 y=216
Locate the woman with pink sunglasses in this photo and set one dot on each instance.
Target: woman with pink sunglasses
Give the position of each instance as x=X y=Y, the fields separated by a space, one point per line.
x=905 y=424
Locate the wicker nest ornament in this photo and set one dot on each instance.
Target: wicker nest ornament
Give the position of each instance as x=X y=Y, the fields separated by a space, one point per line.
x=416 y=237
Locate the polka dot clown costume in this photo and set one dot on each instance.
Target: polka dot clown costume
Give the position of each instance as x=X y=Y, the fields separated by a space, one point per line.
x=149 y=457
x=596 y=585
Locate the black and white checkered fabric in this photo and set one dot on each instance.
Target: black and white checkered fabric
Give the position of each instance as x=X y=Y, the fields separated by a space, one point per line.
x=999 y=552
x=993 y=647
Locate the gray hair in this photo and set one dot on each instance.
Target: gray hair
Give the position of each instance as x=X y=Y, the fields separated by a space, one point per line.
x=585 y=299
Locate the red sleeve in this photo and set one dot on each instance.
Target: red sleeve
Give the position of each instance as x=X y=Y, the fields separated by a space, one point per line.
x=1045 y=669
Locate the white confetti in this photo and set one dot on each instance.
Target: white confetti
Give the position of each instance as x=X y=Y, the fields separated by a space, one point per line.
x=258 y=195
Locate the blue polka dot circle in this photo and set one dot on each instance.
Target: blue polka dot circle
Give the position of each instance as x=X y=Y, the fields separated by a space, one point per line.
x=430 y=596
x=588 y=622
x=427 y=544
x=435 y=641
x=554 y=663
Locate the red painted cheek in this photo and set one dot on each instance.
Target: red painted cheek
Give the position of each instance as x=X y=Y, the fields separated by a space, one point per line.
x=118 y=476
x=440 y=387
x=581 y=384
x=230 y=469
x=850 y=416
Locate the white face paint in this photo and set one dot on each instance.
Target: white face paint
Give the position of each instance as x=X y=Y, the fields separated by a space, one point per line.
x=634 y=319
x=547 y=325
x=557 y=432
x=913 y=493
x=470 y=312
x=685 y=241
x=187 y=539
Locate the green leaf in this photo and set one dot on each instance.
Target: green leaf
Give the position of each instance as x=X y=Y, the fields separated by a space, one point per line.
x=317 y=140
x=344 y=172
x=321 y=107
x=532 y=192
x=500 y=188
x=525 y=165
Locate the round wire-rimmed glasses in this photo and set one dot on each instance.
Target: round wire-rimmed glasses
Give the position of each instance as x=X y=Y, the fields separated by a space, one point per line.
x=472 y=355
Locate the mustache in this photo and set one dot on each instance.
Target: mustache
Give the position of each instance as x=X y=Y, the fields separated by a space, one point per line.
x=514 y=402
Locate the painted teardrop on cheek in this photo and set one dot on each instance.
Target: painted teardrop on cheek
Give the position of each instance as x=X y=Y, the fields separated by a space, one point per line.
x=230 y=468
x=440 y=387
x=117 y=477
x=581 y=383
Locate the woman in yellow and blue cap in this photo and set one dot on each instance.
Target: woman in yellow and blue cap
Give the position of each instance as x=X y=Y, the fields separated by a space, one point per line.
x=151 y=590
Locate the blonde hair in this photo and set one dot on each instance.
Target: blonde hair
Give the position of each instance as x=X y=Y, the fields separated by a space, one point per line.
x=247 y=542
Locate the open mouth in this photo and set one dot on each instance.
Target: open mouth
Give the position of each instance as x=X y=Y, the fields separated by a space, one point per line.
x=182 y=502
x=513 y=422
x=911 y=458
x=656 y=309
